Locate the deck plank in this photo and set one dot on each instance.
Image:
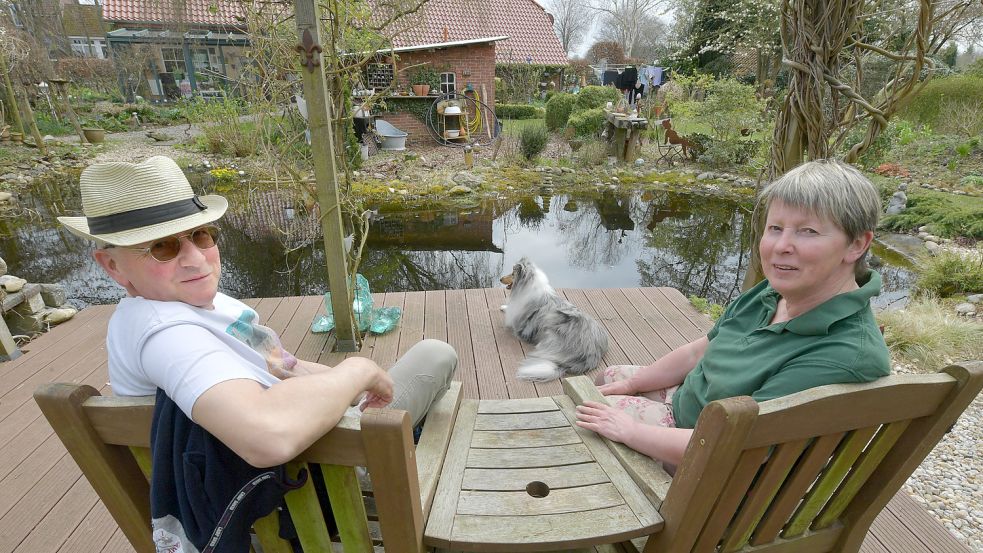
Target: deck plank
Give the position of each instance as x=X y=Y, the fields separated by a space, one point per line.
x=488 y=365
x=653 y=316
x=510 y=351
x=46 y=492
x=459 y=337
x=90 y=534
x=435 y=322
x=636 y=324
x=58 y=524
x=47 y=367
x=45 y=506
x=411 y=324
x=51 y=344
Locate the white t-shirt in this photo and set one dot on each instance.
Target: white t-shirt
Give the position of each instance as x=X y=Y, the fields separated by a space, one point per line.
x=186 y=350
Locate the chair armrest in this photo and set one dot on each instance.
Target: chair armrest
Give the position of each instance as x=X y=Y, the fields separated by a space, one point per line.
x=432 y=448
x=647 y=472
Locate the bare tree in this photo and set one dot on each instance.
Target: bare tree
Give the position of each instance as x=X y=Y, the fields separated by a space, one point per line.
x=627 y=19
x=652 y=40
x=571 y=21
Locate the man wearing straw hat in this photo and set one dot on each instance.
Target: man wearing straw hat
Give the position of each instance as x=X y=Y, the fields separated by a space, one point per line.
x=206 y=351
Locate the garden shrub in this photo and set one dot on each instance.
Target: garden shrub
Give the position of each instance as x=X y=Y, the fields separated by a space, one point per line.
x=517 y=111
x=928 y=335
x=729 y=108
x=944 y=101
x=592 y=153
x=591 y=97
x=949 y=273
x=587 y=122
x=532 y=140
x=558 y=109
x=949 y=215
x=47 y=125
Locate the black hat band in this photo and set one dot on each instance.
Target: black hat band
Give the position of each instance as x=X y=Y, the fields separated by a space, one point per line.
x=145 y=216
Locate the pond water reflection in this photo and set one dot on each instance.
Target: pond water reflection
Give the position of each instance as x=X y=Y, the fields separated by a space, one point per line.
x=270 y=245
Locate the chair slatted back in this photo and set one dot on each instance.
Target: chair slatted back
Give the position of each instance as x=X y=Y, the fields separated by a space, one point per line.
x=808 y=472
x=109 y=438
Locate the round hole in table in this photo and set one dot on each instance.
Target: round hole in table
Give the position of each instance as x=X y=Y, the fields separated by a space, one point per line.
x=537 y=489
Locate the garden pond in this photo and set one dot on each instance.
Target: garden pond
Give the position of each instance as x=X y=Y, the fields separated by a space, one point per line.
x=271 y=244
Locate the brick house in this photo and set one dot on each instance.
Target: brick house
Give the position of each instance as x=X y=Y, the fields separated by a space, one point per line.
x=465 y=41
x=65 y=28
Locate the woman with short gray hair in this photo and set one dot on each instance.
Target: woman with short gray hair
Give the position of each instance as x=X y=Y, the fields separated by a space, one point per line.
x=809 y=323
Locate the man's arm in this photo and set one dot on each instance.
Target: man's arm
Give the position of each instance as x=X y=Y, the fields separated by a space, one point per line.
x=270 y=426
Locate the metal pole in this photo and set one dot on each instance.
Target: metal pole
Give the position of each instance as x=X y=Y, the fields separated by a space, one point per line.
x=318 y=99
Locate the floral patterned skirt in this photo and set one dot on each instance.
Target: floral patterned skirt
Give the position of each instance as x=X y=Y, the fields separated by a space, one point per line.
x=653 y=407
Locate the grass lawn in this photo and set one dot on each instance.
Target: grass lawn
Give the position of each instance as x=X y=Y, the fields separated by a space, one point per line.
x=513 y=127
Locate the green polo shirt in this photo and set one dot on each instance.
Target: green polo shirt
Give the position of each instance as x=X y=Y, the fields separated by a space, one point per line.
x=836 y=342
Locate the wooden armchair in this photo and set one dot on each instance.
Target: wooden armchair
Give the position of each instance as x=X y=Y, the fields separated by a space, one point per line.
x=805 y=473
x=109 y=438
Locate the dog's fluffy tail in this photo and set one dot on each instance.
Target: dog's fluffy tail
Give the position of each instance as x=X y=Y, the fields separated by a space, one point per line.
x=538 y=370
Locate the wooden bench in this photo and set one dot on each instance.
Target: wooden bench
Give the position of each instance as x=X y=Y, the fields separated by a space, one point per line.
x=109 y=438
x=804 y=473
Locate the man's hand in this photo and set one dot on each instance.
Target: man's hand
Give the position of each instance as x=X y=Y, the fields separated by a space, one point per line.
x=618 y=388
x=607 y=421
x=380 y=391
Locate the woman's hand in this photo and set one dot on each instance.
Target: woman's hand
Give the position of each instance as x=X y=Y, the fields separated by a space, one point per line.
x=613 y=424
x=618 y=388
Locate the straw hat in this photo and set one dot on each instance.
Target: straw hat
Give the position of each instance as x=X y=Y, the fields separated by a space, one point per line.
x=129 y=203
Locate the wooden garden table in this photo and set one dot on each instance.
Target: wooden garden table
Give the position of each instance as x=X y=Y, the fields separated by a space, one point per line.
x=624 y=135
x=520 y=476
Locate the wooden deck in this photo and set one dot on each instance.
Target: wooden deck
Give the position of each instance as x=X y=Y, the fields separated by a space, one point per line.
x=46 y=506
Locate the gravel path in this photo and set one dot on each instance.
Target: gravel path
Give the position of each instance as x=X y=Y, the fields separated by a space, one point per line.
x=948 y=483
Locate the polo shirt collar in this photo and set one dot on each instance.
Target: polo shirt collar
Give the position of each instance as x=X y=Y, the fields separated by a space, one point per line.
x=816 y=321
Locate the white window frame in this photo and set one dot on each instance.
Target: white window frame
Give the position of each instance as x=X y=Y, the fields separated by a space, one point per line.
x=448 y=83
x=87 y=47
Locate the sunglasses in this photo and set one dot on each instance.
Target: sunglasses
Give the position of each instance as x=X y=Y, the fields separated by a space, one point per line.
x=166 y=249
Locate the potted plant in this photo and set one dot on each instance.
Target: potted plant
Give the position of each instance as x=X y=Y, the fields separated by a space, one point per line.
x=423 y=78
x=94 y=133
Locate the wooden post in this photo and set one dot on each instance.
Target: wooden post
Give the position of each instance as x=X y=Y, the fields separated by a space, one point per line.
x=33 y=125
x=8 y=348
x=62 y=94
x=307 y=14
x=11 y=98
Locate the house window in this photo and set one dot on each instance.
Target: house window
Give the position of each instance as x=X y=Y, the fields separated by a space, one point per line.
x=89 y=48
x=173 y=62
x=88 y=2
x=99 y=47
x=448 y=83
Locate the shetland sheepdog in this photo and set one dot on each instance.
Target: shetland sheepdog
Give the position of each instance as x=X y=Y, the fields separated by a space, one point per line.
x=567 y=341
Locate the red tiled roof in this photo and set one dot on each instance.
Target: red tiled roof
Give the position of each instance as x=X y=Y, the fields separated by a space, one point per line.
x=199 y=12
x=526 y=23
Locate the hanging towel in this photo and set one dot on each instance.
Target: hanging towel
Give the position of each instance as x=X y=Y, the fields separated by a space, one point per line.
x=628 y=78
x=654 y=75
